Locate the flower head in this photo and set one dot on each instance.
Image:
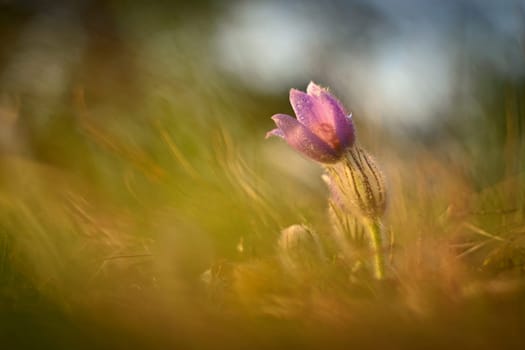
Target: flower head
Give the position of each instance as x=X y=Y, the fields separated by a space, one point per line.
x=322 y=130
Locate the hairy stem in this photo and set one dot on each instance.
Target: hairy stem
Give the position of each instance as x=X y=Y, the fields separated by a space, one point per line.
x=375 y=228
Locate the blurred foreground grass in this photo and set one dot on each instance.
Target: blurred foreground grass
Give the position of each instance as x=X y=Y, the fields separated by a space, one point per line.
x=146 y=213
x=160 y=229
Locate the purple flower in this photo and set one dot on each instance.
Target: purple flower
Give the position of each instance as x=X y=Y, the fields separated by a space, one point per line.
x=322 y=130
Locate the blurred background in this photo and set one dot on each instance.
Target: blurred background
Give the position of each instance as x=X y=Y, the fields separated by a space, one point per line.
x=140 y=205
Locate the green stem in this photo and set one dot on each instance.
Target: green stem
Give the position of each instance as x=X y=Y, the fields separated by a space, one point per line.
x=374 y=228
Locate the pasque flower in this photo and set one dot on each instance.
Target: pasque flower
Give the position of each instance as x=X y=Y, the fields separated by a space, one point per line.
x=325 y=133
x=322 y=131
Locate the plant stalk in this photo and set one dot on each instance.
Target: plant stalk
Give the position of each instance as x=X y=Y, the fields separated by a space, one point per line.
x=375 y=231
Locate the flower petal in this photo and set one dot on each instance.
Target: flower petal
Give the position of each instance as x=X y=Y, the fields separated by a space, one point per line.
x=344 y=127
x=275 y=132
x=303 y=140
x=315 y=90
x=324 y=115
x=303 y=106
x=345 y=131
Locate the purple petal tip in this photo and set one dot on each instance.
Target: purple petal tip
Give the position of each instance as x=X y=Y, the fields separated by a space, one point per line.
x=274 y=132
x=313 y=89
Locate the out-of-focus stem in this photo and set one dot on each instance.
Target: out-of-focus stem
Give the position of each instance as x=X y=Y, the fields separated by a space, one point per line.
x=375 y=231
